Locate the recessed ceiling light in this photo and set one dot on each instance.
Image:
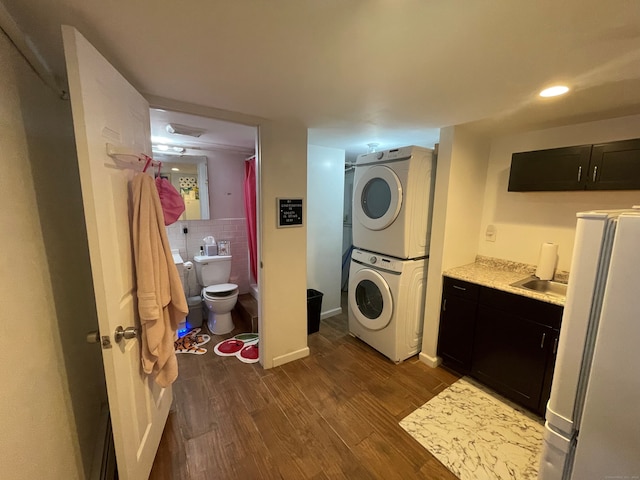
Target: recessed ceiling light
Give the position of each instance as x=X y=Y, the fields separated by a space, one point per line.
x=554 y=91
x=164 y=148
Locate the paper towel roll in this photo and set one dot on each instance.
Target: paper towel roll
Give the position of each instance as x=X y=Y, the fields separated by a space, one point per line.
x=547 y=261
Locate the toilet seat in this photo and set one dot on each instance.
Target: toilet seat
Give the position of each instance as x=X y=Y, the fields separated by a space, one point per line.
x=220 y=291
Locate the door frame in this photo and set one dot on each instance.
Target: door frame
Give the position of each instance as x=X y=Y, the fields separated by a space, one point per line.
x=232 y=117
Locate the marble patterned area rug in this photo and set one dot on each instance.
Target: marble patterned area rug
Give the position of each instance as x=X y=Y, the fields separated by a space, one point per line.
x=478 y=435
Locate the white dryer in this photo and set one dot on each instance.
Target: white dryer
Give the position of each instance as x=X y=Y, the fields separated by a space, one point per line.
x=386 y=303
x=392 y=201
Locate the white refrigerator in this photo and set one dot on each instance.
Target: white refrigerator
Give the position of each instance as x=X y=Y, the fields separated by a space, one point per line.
x=592 y=428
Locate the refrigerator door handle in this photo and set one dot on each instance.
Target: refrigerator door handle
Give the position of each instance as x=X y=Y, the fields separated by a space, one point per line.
x=542 y=341
x=555 y=346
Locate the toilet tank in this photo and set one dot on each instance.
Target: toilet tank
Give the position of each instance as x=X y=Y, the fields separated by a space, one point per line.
x=212 y=270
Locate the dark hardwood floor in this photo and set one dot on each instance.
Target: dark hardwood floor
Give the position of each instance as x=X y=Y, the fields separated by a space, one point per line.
x=333 y=414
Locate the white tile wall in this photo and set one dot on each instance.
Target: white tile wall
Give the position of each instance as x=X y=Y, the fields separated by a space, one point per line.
x=232 y=229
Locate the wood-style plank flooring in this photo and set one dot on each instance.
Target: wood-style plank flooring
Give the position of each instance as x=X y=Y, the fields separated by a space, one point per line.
x=333 y=414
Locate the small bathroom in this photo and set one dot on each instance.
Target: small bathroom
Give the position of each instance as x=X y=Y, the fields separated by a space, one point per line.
x=212 y=164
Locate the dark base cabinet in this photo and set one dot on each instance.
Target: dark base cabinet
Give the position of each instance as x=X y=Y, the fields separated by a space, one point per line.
x=509 y=342
x=457 y=320
x=510 y=355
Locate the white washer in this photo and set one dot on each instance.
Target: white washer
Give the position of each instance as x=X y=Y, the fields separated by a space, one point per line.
x=386 y=302
x=392 y=201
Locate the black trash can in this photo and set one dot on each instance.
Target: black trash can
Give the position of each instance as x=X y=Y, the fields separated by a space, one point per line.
x=314 y=307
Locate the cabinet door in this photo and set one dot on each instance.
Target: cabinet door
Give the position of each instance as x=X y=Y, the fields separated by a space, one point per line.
x=510 y=354
x=550 y=170
x=615 y=166
x=457 y=324
x=455 y=338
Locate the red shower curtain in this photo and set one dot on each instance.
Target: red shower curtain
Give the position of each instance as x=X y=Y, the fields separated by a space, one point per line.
x=250 y=212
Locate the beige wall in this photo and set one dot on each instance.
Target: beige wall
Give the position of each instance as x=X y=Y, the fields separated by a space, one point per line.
x=325 y=194
x=282 y=251
x=51 y=379
x=524 y=220
x=459 y=191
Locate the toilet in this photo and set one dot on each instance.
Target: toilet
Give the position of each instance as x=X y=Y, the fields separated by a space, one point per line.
x=219 y=296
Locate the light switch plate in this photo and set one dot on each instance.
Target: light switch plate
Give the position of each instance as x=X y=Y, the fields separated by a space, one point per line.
x=491 y=233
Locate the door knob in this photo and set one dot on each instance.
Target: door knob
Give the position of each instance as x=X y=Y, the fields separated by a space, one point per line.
x=126 y=333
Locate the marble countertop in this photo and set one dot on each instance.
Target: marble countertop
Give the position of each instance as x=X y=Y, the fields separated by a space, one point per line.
x=499 y=274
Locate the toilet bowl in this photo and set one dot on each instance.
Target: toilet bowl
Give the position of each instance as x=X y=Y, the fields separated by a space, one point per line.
x=219 y=296
x=220 y=300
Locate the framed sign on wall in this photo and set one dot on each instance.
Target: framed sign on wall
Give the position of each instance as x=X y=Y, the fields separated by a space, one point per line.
x=289 y=212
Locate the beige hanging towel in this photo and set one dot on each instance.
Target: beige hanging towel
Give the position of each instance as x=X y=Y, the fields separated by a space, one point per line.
x=161 y=300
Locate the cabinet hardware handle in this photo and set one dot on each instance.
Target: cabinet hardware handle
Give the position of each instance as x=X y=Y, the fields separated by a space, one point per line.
x=579 y=172
x=444 y=305
x=542 y=341
x=555 y=346
x=460 y=288
x=595 y=171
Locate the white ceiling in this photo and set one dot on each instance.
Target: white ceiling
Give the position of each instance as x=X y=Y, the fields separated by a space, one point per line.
x=217 y=134
x=363 y=71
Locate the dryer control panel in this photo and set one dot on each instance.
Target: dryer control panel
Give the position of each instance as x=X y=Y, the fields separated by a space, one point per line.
x=385 y=156
x=376 y=260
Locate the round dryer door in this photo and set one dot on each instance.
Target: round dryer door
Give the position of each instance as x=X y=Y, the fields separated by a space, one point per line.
x=370 y=299
x=378 y=197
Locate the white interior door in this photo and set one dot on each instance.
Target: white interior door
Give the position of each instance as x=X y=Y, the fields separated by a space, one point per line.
x=107 y=109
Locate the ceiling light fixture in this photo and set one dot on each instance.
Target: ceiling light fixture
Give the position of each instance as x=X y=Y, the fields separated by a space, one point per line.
x=373 y=147
x=554 y=91
x=177 y=129
x=175 y=169
x=164 y=148
x=179 y=149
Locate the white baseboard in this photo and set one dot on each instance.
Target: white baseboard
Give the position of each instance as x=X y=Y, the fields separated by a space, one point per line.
x=290 y=357
x=331 y=313
x=433 y=362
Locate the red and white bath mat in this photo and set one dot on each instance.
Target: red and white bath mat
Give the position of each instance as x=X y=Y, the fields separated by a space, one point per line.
x=244 y=346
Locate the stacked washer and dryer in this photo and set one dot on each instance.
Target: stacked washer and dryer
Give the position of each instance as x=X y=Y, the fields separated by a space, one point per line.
x=392 y=209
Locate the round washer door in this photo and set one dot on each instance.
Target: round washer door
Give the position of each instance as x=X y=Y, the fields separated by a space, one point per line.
x=370 y=299
x=378 y=197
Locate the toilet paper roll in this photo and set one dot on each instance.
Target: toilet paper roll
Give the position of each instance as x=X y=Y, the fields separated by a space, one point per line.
x=547 y=261
x=187 y=265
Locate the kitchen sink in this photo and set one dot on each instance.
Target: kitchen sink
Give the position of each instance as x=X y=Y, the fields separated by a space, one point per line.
x=548 y=287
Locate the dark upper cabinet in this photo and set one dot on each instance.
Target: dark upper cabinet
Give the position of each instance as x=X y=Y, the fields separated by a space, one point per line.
x=615 y=166
x=606 y=166
x=550 y=170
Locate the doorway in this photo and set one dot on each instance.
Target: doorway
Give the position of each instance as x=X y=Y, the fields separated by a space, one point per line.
x=204 y=158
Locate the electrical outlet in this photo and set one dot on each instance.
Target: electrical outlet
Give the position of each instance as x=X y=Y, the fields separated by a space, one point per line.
x=491 y=233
